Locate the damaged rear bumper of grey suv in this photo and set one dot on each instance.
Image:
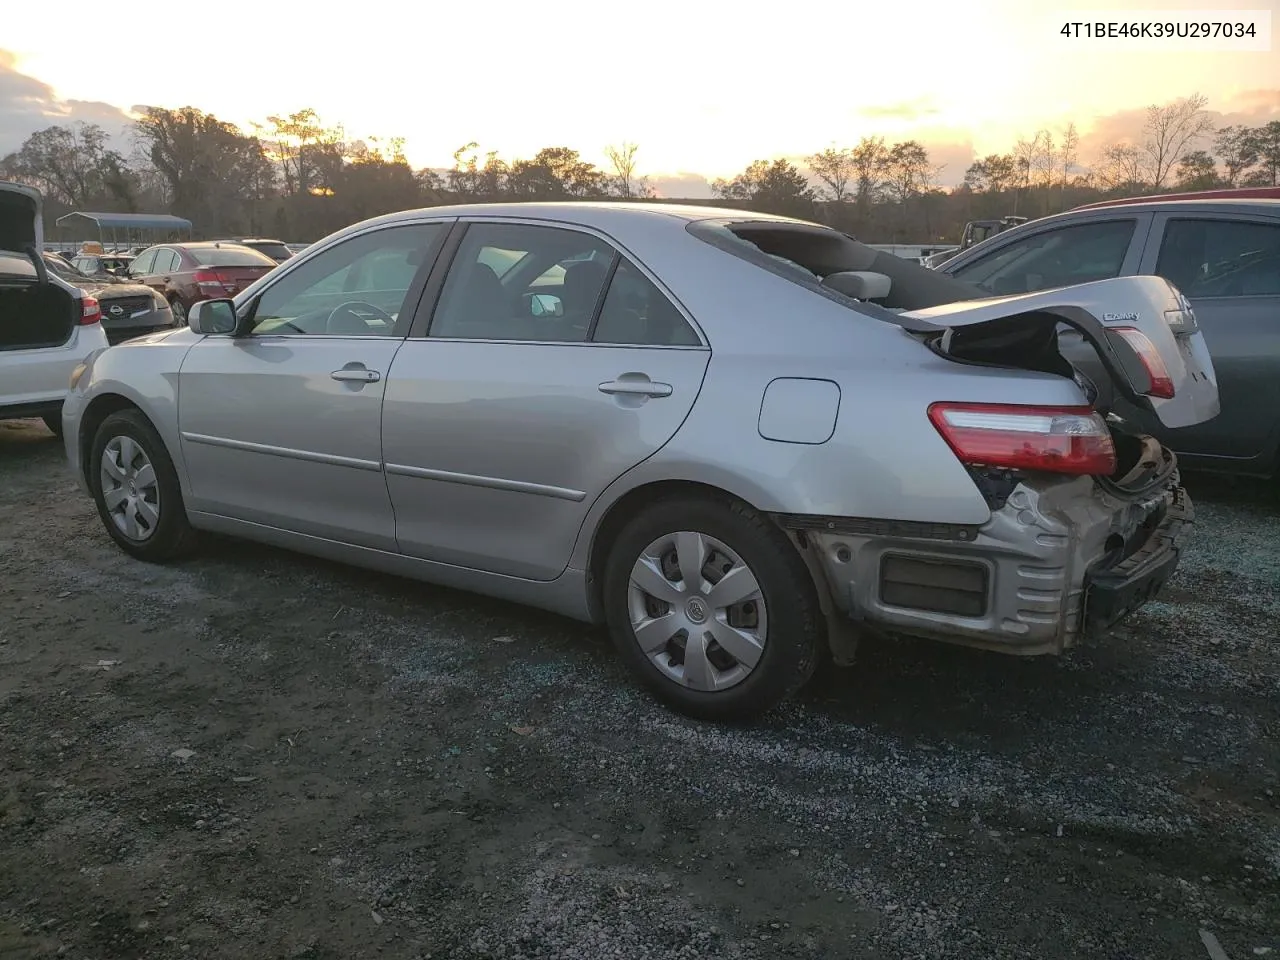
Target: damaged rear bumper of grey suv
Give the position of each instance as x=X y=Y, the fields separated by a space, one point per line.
x=1060 y=557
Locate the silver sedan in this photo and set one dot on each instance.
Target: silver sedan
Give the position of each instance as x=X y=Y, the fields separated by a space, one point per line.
x=740 y=441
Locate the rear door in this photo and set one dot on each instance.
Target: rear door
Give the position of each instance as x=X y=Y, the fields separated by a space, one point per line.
x=1228 y=267
x=552 y=365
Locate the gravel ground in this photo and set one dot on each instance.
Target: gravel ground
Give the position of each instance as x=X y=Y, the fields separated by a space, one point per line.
x=258 y=755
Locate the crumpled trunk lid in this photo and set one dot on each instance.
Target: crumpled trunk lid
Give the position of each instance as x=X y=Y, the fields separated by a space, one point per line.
x=1021 y=331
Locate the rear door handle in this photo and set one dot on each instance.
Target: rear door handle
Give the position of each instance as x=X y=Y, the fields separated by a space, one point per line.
x=636 y=388
x=359 y=375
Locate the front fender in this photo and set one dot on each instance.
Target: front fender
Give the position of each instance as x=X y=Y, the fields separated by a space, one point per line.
x=144 y=374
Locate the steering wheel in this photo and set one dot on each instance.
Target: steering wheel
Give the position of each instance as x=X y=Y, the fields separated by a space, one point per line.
x=348 y=310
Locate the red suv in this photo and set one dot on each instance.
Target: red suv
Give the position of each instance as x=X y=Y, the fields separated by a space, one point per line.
x=186 y=273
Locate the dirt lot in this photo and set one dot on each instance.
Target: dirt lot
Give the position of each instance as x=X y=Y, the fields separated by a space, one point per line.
x=256 y=755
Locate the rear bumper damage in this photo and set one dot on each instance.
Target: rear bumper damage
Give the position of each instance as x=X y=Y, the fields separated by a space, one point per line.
x=1061 y=557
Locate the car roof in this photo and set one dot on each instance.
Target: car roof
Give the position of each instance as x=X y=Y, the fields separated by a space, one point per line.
x=603 y=215
x=1224 y=205
x=589 y=212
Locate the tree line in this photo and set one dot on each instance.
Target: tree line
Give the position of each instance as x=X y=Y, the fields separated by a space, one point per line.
x=297 y=178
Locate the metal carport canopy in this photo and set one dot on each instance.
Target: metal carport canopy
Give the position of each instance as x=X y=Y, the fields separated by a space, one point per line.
x=125 y=221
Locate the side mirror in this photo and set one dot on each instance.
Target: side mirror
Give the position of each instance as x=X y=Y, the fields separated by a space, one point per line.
x=213 y=317
x=546 y=305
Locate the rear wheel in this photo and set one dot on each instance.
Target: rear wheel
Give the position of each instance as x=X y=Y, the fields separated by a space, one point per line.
x=179 y=313
x=711 y=608
x=135 y=487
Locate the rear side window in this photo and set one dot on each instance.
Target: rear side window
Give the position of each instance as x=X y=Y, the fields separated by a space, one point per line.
x=636 y=312
x=1080 y=253
x=229 y=257
x=1221 y=258
x=142 y=263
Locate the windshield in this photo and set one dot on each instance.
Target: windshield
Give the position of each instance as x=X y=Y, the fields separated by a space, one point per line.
x=229 y=257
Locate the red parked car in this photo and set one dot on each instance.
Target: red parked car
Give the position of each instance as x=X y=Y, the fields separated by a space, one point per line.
x=186 y=273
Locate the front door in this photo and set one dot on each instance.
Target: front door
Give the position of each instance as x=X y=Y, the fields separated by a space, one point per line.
x=552 y=366
x=282 y=426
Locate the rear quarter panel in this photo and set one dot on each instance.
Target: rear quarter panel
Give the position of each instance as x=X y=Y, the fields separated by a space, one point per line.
x=884 y=460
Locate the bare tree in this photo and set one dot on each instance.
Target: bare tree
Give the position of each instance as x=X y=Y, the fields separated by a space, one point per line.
x=1025 y=156
x=1170 y=132
x=1237 y=147
x=836 y=168
x=1121 y=168
x=870 y=164
x=1069 y=152
x=623 y=161
x=1044 y=158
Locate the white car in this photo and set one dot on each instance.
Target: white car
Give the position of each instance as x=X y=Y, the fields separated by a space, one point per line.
x=47 y=326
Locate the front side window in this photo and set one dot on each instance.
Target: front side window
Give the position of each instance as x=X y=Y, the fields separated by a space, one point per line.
x=1069 y=255
x=546 y=284
x=354 y=288
x=1221 y=258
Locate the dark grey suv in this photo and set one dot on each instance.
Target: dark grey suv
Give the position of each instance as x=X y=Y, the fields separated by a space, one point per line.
x=1224 y=256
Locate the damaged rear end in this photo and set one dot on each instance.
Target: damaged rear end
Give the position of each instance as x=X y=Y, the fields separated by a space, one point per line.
x=1088 y=517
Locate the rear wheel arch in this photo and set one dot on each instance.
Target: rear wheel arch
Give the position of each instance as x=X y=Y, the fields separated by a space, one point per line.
x=628 y=506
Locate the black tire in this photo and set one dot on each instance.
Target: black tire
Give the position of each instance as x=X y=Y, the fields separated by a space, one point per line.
x=795 y=631
x=179 y=312
x=54 y=422
x=173 y=536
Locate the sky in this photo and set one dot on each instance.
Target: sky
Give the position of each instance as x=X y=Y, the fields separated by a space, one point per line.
x=703 y=86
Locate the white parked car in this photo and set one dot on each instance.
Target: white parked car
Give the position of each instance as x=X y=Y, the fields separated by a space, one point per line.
x=47 y=326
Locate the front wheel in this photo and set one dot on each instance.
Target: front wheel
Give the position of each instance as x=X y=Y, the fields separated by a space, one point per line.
x=712 y=608
x=136 y=489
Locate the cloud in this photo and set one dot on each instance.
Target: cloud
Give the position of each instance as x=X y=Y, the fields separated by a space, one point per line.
x=684 y=186
x=903 y=110
x=1249 y=108
x=28 y=105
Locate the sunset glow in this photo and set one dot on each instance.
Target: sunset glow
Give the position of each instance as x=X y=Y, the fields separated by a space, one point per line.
x=703 y=87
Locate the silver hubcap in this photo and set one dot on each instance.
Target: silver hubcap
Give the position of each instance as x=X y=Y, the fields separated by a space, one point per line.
x=129 y=488
x=179 y=313
x=697 y=611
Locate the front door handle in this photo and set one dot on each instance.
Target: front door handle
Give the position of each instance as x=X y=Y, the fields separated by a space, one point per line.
x=636 y=388
x=359 y=375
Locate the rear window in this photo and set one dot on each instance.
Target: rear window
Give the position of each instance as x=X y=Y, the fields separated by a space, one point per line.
x=229 y=257
x=277 y=250
x=16 y=267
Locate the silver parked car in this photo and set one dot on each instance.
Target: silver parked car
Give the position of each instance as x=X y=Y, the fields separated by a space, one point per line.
x=739 y=440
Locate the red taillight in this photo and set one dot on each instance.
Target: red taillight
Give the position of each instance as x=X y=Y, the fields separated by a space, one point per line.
x=209 y=276
x=1161 y=382
x=90 y=313
x=1049 y=439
